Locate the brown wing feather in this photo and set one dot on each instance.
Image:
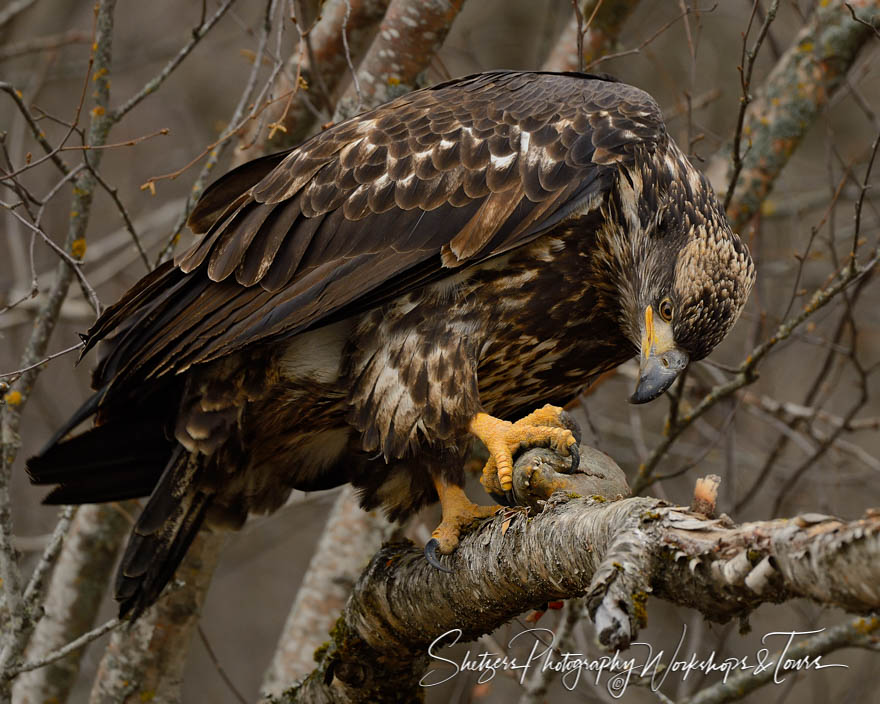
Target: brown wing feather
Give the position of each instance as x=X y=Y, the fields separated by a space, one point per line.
x=435 y=179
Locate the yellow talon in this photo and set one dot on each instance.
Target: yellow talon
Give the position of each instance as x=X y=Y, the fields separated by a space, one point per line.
x=502 y=438
x=458 y=511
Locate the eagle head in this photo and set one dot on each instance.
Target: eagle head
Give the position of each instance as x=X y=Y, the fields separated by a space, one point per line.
x=696 y=277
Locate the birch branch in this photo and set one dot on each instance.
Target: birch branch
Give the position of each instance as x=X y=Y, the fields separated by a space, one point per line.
x=616 y=553
x=409 y=36
x=145 y=661
x=75 y=592
x=792 y=97
x=328 y=71
x=599 y=39
x=349 y=538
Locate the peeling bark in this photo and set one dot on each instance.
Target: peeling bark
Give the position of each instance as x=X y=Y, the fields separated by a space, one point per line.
x=615 y=553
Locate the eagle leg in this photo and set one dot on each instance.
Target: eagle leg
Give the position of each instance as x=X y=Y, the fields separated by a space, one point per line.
x=458 y=511
x=541 y=428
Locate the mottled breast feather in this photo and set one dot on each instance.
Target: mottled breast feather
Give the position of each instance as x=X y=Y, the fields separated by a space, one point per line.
x=376 y=205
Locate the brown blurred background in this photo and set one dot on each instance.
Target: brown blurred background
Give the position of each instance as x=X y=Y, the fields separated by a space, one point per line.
x=262 y=565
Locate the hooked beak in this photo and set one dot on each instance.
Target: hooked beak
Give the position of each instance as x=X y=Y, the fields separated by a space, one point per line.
x=660 y=361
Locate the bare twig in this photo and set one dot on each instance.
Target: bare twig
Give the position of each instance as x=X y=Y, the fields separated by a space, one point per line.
x=857 y=214
x=55 y=41
x=37 y=44
x=354 y=77
x=153 y=84
x=227 y=680
x=573 y=49
x=129 y=226
x=56 y=655
x=33 y=593
x=859 y=632
x=69 y=259
x=101 y=95
x=579 y=22
x=638 y=49
x=51 y=152
x=809 y=398
x=747 y=65
x=18 y=372
x=218 y=147
x=127 y=143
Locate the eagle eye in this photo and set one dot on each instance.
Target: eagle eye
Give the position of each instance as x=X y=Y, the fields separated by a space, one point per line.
x=665 y=310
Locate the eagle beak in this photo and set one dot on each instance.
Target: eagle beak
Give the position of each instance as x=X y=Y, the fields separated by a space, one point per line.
x=660 y=361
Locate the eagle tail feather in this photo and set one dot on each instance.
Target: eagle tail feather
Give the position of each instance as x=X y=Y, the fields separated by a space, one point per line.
x=162 y=535
x=112 y=462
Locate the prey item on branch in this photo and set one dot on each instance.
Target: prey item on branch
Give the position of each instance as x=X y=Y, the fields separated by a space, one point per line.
x=359 y=308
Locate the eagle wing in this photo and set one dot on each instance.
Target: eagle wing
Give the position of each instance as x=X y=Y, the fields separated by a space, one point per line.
x=388 y=200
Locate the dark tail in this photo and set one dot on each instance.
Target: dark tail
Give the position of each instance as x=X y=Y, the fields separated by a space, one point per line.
x=113 y=462
x=162 y=535
x=121 y=457
x=131 y=454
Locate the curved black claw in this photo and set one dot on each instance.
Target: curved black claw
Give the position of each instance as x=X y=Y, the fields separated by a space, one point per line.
x=575 y=455
x=431 y=555
x=511 y=499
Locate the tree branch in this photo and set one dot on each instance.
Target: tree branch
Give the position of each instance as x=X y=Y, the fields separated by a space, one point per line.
x=856 y=632
x=145 y=660
x=23 y=620
x=329 y=67
x=599 y=39
x=75 y=592
x=349 y=538
x=614 y=552
x=35 y=44
x=408 y=37
x=791 y=98
x=154 y=83
x=13 y=9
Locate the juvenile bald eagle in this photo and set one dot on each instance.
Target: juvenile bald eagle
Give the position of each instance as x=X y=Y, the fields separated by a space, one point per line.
x=359 y=308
